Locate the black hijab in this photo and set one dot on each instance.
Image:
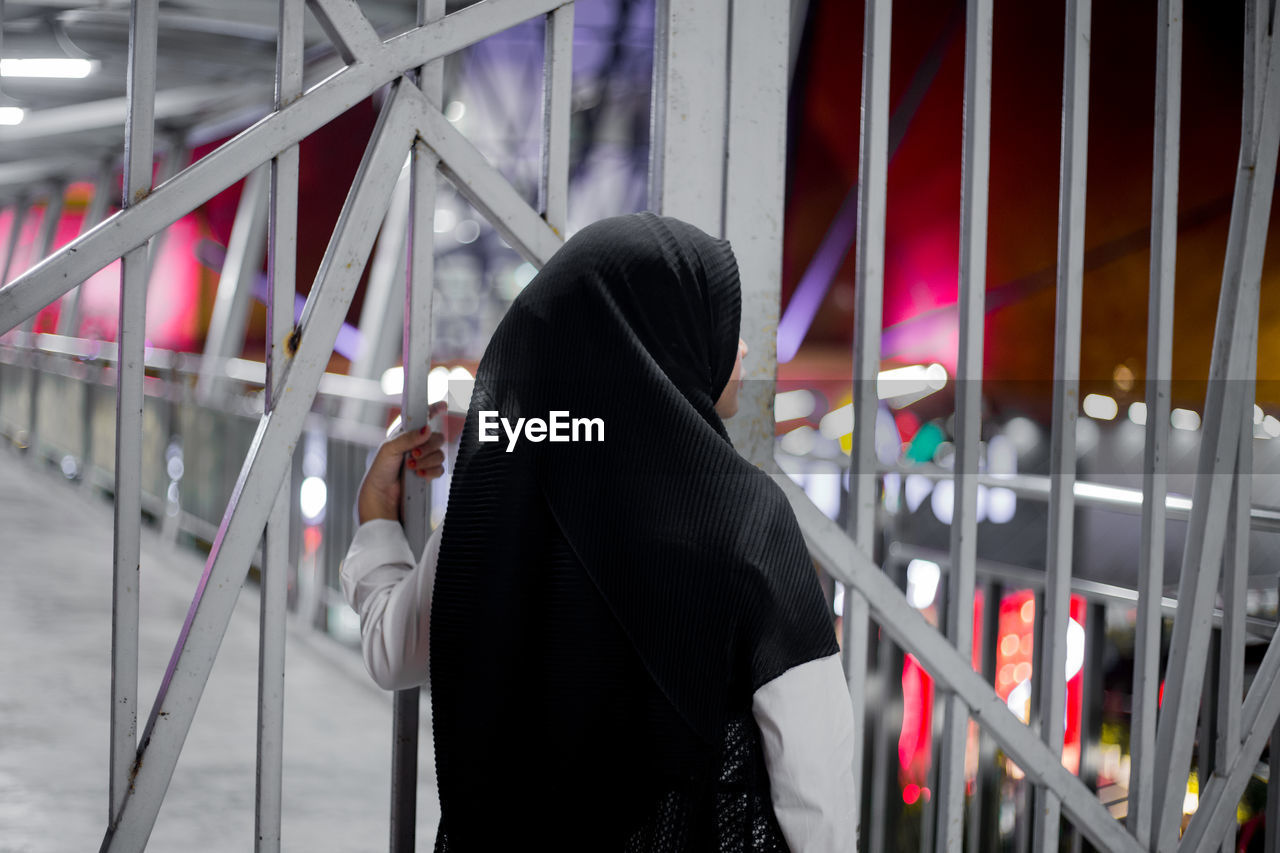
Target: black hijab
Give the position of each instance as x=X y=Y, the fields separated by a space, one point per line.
x=575 y=576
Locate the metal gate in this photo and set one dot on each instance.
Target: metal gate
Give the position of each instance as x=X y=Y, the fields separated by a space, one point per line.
x=717 y=156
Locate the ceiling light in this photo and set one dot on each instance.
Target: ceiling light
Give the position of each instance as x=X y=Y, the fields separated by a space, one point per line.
x=52 y=67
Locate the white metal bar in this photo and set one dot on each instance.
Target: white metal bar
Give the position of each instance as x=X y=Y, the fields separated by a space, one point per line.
x=1256 y=15
x=964 y=522
x=269 y=457
x=1051 y=655
x=282 y=250
x=126 y=552
x=869 y=277
x=381 y=315
x=69 y=314
x=348 y=29
x=485 y=187
x=1217 y=808
x=49 y=219
x=415 y=505
x=1235 y=585
x=20 y=210
x=1206 y=532
x=1155 y=477
x=557 y=92
x=174 y=159
x=78 y=118
x=687 y=136
x=220 y=169
x=234 y=296
x=754 y=198
x=1271 y=841
x=849 y=564
x=48 y=230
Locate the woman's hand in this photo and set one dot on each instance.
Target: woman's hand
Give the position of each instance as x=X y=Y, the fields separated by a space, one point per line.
x=420 y=450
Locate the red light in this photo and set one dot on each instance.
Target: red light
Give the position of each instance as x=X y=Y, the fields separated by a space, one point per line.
x=911 y=793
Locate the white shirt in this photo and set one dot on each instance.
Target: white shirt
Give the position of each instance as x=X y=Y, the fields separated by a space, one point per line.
x=805 y=716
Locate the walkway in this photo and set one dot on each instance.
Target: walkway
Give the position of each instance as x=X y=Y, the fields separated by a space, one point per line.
x=55 y=675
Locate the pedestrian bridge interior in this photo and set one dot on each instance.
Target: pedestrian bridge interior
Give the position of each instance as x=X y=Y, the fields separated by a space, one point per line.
x=1011 y=323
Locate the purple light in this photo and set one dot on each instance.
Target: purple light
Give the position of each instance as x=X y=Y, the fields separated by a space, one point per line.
x=813 y=286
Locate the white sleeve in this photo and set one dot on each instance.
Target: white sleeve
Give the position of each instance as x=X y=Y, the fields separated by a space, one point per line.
x=806 y=724
x=393 y=598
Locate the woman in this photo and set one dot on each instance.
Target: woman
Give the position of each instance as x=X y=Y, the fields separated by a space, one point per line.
x=629 y=649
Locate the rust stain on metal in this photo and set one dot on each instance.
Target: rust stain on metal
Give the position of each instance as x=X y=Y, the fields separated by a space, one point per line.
x=295 y=338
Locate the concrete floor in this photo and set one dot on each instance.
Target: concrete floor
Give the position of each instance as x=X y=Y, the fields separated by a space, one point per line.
x=55 y=672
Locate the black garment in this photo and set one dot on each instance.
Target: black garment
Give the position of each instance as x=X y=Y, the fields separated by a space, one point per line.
x=604 y=611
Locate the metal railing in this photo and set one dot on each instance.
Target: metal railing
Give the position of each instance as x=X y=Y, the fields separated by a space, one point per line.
x=717 y=160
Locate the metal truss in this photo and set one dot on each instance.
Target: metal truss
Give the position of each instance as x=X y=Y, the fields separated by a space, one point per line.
x=717 y=158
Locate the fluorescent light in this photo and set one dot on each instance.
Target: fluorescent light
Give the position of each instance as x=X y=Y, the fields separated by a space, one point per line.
x=1271 y=426
x=455 y=111
x=12 y=115
x=1138 y=413
x=913 y=381
x=1112 y=493
x=1101 y=407
x=1258 y=414
x=52 y=67
x=1184 y=419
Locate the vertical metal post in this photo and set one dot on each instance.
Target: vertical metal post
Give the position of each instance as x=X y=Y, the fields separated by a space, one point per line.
x=1235 y=585
x=1091 y=702
x=754 y=196
x=557 y=91
x=1051 y=655
x=381 y=315
x=99 y=202
x=282 y=249
x=235 y=284
x=143 y=32
x=174 y=159
x=964 y=522
x=687 y=136
x=985 y=834
x=416 y=501
x=49 y=220
x=885 y=806
x=20 y=211
x=1272 y=839
x=1164 y=244
x=872 y=186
